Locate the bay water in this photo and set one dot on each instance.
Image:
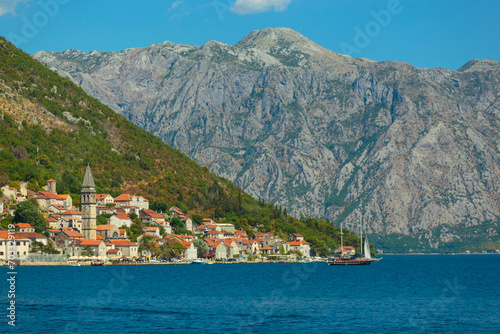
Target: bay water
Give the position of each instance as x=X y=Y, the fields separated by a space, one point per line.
x=410 y=293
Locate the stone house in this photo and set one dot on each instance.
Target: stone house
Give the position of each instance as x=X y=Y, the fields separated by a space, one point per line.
x=120 y=219
x=296 y=236
x=152 y=230
x=103 y=199
x=132 y=200
x=127 y=247
x=232 y=248
x=216 y=248
x=97 y=246
x=150 y=217
x=24 y=227
x=108 y=231
x=301 y=246
x=19 y=245
x=114 y=253
x=188 y=223
x=175 y=212
x=250 y=246
x=191 y=252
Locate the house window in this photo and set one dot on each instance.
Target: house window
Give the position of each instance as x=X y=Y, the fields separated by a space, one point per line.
x=18 y=243
x=1 y=253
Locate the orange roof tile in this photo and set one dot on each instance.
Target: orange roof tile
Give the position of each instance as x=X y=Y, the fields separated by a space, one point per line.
x=71 y=212
x=122 y=216
x=104 y=227
x=88 y=242
x=122 y=243
x=23 y=225
x=47 y=195
x=101 y=196
x=123 y=198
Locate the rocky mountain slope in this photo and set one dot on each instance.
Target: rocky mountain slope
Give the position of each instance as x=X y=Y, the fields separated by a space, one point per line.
x=407 y=151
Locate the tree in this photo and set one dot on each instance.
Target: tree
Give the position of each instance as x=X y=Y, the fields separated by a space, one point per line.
x=148 y=244
x=49 y=249
x=176 y=222
x=28 y=212
x=201 y=246
x=44 y=160
x=36 y=246
x=101 y=220
x=87 y=251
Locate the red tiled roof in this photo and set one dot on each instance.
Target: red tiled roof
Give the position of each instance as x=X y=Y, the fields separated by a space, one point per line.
x=23 y=225
x=64 y=196
x=104 y=227
x=215 y=232
x=212 y=242
x=88 y=242
x=112 y=251
x=228 y=243
x=47 y=195
x=151 y=228
x=72 y=234
x=122 y=216
x=5 y=235
x=99 y=237
x=123 y=198
x=153 y=214
x=30 y=235
x=346 y=248
x=298 y=235
x=51 y=180
x=122 y=243
x=71 y=212
x=266 y=248
x=101 y=196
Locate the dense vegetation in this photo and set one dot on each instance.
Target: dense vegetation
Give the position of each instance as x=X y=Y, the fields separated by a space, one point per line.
x=123 y=157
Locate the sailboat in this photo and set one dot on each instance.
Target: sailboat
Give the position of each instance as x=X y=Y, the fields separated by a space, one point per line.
x=362 y=259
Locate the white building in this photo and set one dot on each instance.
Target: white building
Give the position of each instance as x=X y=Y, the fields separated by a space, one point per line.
x=120 y=219
x=132 y=200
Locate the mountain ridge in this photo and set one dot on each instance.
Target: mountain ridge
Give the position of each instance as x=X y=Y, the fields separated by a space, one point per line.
x=328 y=136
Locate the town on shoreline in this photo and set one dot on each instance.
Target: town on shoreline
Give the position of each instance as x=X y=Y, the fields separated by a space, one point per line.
x=98 y=233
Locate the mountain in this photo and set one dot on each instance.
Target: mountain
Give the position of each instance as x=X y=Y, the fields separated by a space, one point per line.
x=412 y=153
x=51 y=129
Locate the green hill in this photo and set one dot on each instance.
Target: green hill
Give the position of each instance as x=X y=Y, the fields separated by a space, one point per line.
x=45 y=115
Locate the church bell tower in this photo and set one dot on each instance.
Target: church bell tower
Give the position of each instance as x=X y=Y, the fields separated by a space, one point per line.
x=88 y=204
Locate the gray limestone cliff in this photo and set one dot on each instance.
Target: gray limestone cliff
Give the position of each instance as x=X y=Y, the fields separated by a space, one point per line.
x=402 y=149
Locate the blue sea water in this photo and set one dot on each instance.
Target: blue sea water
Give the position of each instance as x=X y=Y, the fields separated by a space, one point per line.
x=412 y=294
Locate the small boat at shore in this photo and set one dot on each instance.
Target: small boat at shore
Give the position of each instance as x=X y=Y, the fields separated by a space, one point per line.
x=198 y=262
x=97 y=264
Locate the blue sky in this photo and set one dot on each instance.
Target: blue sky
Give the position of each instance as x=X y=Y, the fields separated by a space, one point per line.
x=424 y=33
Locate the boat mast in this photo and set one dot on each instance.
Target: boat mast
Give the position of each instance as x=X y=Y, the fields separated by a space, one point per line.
x=341 y=239
x=361 y=240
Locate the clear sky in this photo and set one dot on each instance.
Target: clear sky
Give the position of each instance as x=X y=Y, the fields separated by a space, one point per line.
x=424 y=33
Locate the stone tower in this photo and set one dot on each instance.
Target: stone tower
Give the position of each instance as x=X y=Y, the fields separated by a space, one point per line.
x=88 y=203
